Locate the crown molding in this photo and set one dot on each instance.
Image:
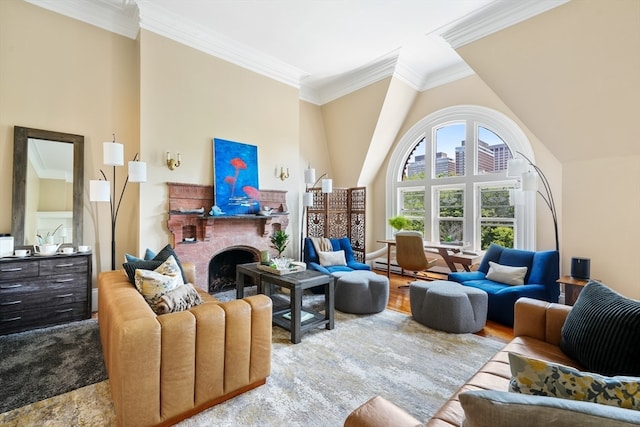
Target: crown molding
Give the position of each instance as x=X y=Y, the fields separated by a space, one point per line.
x=116 y=16
x=320 y=92
x=447 y=75
x=158 y=20
x=495 y=17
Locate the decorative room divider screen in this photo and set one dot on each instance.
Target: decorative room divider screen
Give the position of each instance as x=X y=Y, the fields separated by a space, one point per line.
x=338 y=214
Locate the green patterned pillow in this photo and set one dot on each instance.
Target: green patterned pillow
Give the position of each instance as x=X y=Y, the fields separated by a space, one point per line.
x=154 y=284
x=540 y=378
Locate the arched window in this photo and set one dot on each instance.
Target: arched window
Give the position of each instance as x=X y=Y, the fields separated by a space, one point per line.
x=448 y=177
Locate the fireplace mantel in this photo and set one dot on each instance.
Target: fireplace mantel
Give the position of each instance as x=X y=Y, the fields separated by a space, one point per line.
x=198 y=237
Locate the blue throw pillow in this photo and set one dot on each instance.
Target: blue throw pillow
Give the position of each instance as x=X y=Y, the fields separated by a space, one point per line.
x=148 y=256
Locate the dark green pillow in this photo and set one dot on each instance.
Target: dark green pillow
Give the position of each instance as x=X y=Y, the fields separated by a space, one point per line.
x=602 y=331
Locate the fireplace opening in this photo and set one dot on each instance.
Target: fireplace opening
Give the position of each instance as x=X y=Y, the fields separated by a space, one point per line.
x=222 y=267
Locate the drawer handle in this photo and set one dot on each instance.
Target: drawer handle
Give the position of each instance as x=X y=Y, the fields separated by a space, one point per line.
x=10 y=270
x=64 y=280
x=16 y=285
x=64 y=265
x=64 y=295
x=65 y=310
x=12 y=302
x=11 y=319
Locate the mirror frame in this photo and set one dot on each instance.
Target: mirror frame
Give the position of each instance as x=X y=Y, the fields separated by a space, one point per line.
x=21 y=137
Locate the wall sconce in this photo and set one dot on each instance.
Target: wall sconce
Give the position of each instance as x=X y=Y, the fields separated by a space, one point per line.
x=102 y=191
x=171 y=163
x=283 y=175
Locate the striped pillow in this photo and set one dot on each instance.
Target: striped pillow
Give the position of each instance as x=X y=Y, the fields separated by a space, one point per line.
x=602 y=331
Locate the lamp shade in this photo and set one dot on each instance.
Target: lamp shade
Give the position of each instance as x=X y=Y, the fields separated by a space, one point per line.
x=113 y=154
x=516 y=167
x=307 y=199
x=309 y=176
x=529 y=181
x=137 y=171
x=99 y=191
x=327 y=185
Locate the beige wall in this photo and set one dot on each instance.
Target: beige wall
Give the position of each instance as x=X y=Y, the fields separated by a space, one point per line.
x=60 y=74
x=187 y=99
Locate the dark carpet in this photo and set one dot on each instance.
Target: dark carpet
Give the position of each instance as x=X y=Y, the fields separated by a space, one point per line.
x=42 y=363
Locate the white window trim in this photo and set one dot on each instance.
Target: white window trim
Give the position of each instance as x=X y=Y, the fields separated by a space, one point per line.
x=496 y=121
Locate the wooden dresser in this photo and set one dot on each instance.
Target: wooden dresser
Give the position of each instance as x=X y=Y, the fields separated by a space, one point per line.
x=39 y=291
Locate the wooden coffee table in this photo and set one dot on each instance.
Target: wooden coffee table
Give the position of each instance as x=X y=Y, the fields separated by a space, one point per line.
x=296 y=283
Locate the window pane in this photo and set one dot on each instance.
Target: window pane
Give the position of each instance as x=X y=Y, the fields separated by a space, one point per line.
x=450 y=215
x=449 y=150
x=413 y=208
x=415 y=166
x=497 y=217
x=493 y=154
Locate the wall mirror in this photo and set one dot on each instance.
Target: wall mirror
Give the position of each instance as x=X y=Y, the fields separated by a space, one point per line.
x=48 y=174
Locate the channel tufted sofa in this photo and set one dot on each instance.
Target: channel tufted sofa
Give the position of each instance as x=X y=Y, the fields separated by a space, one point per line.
x=166 y=368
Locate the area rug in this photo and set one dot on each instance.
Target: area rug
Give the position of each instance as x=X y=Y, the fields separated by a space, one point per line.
x=319 y=381
x=42 y=363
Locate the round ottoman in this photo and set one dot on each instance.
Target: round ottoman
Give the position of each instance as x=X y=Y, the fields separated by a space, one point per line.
x=361 y=292
x=448 y=306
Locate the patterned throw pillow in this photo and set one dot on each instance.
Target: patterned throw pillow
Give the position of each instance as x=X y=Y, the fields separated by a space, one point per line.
x=540 y=378
x=154 y=284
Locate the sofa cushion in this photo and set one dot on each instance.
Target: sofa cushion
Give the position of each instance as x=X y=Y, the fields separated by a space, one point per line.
x=131 y=267
x=602 y=331
x=506 y=274
x=332 y=258
x=148 y=255
x=492 y=408
x=537 y=377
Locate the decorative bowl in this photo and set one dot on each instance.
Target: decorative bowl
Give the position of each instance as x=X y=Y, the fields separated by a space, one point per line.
x=281 y=263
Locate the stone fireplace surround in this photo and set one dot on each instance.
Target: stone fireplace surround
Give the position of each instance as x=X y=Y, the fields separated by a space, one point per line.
x=216 y=244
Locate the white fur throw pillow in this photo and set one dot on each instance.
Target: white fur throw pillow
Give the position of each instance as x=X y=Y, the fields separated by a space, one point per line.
x=332 y=258
x=505 y=274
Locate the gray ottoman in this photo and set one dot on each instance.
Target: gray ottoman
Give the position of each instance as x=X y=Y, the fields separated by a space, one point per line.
x=448 y=306
x=361 y=292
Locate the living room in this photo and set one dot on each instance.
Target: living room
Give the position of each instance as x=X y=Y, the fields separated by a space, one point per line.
x=569 y=77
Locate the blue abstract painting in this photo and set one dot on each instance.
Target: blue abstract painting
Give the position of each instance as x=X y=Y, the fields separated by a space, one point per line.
x=235 y=170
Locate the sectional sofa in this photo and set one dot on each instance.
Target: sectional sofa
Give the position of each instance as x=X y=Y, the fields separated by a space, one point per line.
x=166 y=368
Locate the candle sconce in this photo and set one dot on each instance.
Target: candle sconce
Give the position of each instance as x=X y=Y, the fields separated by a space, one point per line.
x=283 y=175
x=172 y=163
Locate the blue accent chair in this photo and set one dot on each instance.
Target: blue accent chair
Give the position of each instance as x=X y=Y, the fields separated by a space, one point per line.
x=543 y=269
x=313 y=262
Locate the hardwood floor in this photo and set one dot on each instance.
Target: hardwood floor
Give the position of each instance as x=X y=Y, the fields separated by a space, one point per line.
x=399 y=301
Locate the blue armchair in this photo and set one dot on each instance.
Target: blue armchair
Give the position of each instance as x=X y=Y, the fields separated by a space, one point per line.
x=543 y=269
x=312 y=259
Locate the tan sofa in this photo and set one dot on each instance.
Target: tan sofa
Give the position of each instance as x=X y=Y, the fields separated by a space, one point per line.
x=166 y=368
x=537 y=329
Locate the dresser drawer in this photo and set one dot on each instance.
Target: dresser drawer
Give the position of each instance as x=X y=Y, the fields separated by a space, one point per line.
x=43 y=316
x=63 y=265
x=43 y=294
x=19 y=270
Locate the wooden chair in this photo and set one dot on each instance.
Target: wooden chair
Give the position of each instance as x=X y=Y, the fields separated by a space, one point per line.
x=410 y=253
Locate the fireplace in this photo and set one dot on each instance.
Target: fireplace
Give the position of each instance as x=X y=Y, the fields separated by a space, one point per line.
x=222 y=267
x=201 y=239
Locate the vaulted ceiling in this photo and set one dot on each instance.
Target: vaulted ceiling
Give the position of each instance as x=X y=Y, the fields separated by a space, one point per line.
x=325 y=48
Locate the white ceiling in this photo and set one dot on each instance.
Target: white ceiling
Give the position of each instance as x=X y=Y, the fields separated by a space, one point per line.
x=327 y=48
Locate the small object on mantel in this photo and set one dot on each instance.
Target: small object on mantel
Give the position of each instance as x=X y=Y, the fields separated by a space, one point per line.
x=215 y=211
x=191 y=211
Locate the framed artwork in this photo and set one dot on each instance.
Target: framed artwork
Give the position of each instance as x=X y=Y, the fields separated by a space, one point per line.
x=235 y=172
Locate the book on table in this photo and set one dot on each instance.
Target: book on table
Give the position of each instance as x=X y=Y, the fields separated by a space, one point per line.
x=304 y=316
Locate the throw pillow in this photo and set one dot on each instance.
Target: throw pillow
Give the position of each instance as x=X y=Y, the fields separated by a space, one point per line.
x=181 y=298
x=540 y=378
x=154 y=284
x=332 y=258
x=148 y=256
x=165 y=253
x=493 y=408
x=506 y=274
x=602 y=331
x=131 y=267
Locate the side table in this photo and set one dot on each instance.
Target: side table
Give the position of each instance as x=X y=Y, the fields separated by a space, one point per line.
x=296 y=283
x=572 y=288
